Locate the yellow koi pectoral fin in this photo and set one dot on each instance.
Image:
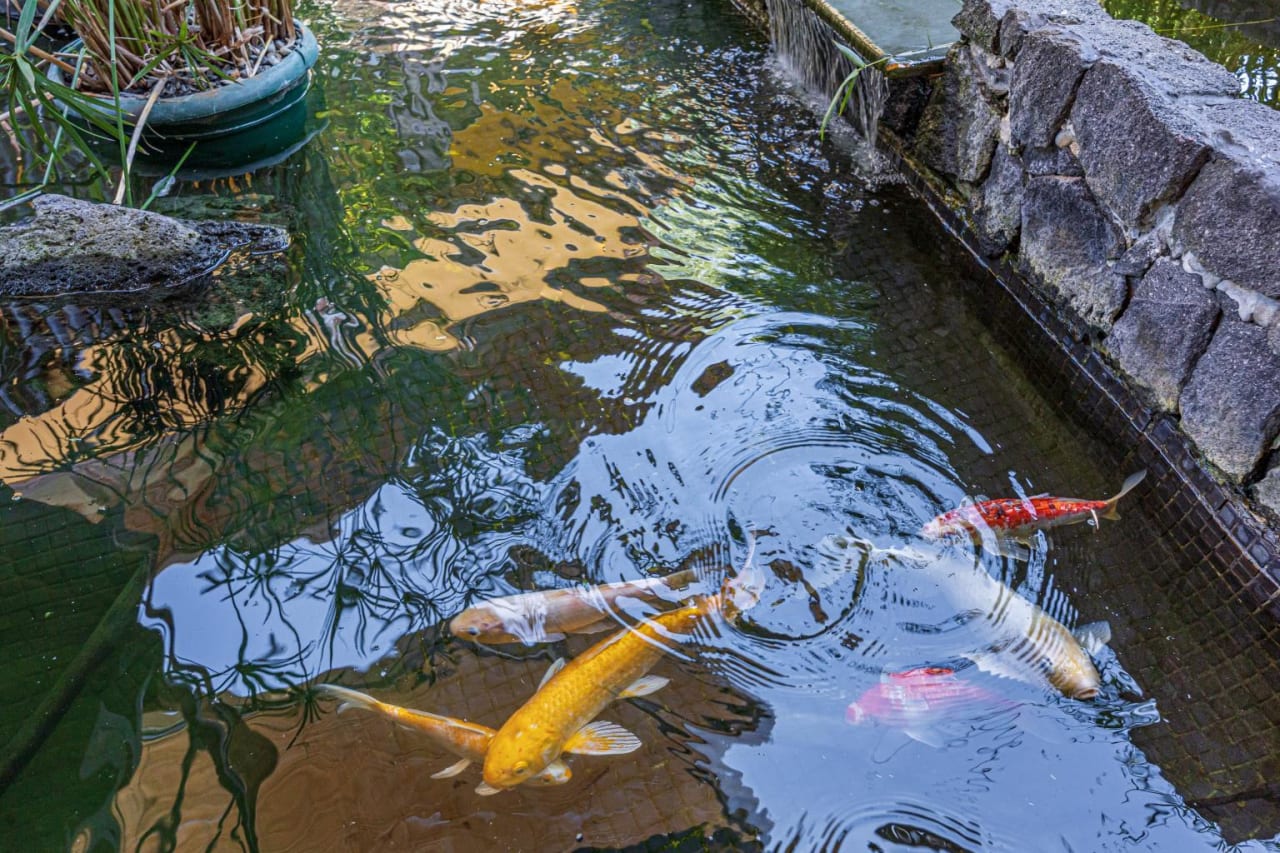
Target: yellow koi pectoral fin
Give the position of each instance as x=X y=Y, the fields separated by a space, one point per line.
x=452 y=769
x=644 y=686
x=601 y=738
x=556 y=666
x=484 y=789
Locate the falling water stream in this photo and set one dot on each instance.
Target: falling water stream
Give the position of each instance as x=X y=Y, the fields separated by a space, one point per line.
x=578 y=294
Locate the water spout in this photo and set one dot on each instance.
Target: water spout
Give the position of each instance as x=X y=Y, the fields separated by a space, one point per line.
x=806 y=45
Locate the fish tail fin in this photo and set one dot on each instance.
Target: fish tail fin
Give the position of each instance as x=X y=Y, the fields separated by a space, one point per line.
x=744 y=590
x=1109 y=512
x=348 y=698
x=1094 y=636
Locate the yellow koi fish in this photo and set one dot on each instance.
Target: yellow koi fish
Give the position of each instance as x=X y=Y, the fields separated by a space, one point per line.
x=558 y=717
x=469 y=741
x=547 y=616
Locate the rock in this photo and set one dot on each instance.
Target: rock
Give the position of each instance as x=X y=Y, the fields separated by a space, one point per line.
x=1231 y=404
x=1045 y=75
x=997 y=207
x=72 y=246
x=998 y=26
x=959 y=128
x=1230 y=215
x=1165 y=328
x=1139 y=143
x=1066 y=242
x=1051 y=161
x=1267 y=491
x=1139 y=257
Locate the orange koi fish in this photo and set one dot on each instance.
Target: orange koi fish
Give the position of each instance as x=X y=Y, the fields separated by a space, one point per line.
x=558 y=717
x=469 y=741
x=1019 y=518
x=546 y=616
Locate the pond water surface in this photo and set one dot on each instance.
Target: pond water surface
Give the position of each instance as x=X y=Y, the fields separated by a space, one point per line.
x=578 y=294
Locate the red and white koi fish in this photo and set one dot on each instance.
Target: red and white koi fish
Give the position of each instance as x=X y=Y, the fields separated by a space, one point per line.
x=918 y=700
x=1019 y=518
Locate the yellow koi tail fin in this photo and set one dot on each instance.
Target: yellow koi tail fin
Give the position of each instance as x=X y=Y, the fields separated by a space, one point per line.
x=348 y=698
x=1133 y=480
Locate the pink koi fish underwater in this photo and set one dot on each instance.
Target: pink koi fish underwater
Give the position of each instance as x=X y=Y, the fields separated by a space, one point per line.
x=918 y=700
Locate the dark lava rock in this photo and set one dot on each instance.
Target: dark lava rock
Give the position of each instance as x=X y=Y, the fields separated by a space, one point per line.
x=1066 y=243
x=78 y=247
x=1229 y=217
x=1139 y=142
x=959 y=128
x=1165 y=328
x=1044 y=80
x=1139 y=257
x=997 y=207
x=1231 y=405
x=1267 y=490
x=998 y=26
x=1051 y=160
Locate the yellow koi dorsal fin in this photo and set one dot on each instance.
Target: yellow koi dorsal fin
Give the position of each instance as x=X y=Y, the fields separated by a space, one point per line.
x=555 y=667
x=601 y=738
x=484 y=789
x=452 y=769
x=644 y=686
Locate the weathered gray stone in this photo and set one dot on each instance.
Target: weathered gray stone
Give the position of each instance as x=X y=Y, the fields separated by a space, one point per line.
x=1051 y=161
x=1045 y=75
x=1165 y=328
x=1139 y=257
x=1066 y=242
x=1139 y=143
x=1267 y=491
x=959 y=128
x=1230 y=215
x=997 y=207
x=1231 y=404
x=73 y=246
x=999 y=25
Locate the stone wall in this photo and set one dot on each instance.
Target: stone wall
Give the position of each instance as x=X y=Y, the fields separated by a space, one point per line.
x=1121 y=174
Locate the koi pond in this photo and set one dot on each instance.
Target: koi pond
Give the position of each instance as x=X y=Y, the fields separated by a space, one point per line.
x=578 y=295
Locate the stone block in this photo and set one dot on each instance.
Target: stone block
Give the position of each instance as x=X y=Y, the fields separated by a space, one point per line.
x=1051 y=160
x=1229 y=217
x=996 y=207
x=999 y=25
x=1045 y=75
x=1267 y=491
x=1164 y=330
x=1066 y=243
x=960 y=126
x=1231 y=404
x=1139 y=142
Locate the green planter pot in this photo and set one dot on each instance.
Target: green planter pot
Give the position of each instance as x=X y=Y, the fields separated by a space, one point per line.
x=224 y=113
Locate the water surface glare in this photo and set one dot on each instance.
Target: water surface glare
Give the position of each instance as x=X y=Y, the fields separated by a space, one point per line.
x=577 y=294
